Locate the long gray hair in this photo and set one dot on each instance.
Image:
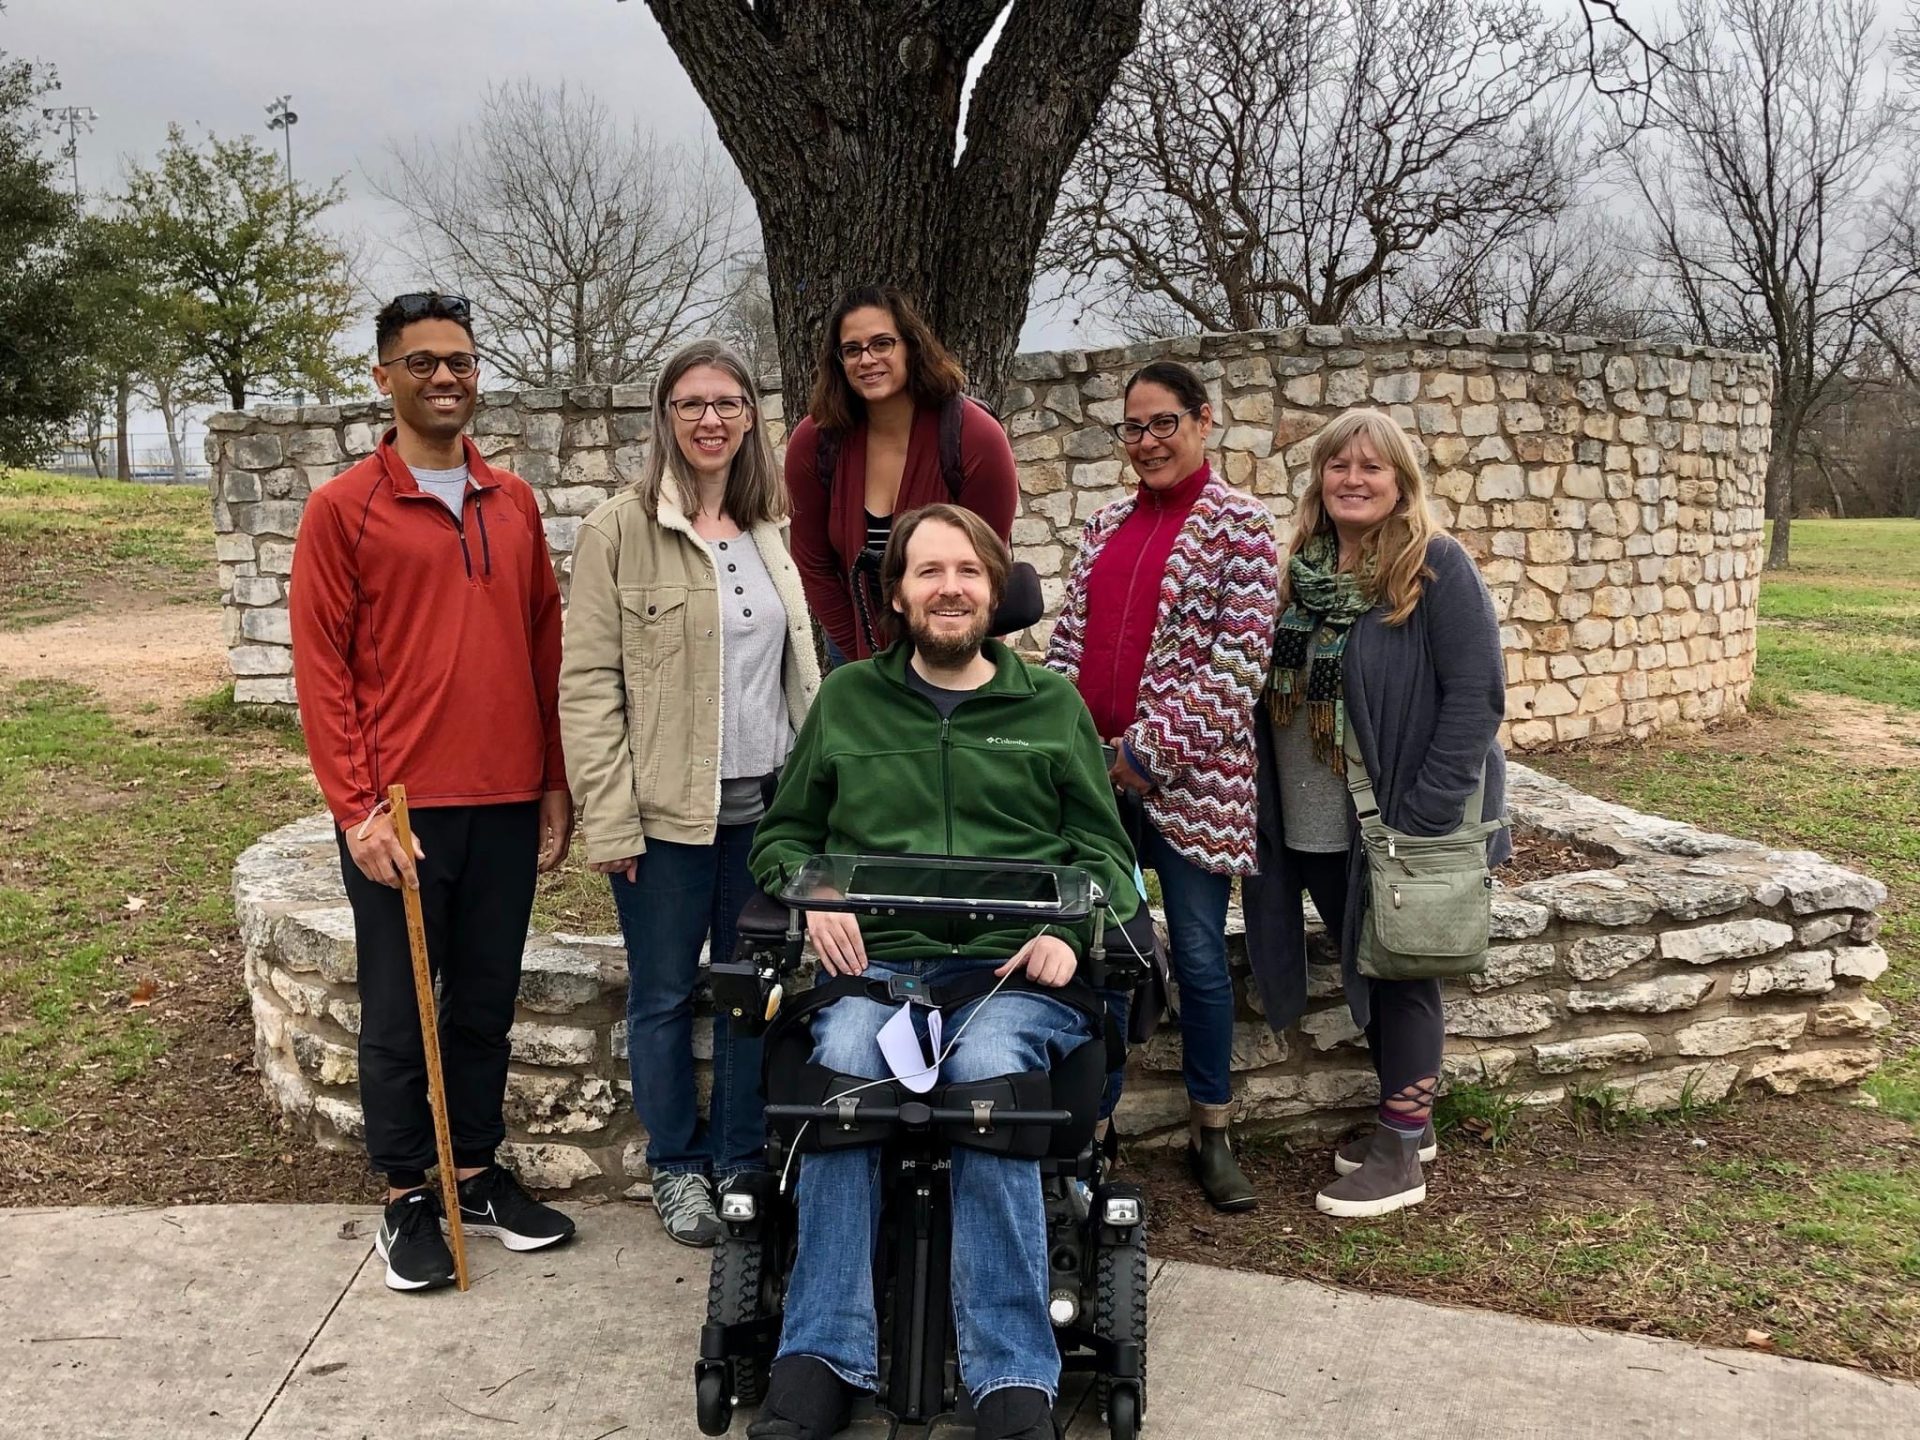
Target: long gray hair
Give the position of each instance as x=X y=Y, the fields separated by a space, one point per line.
x=755 y=490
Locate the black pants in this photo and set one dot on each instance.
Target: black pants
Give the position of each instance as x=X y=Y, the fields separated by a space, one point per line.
x=476 y=894
x=1406 y=1031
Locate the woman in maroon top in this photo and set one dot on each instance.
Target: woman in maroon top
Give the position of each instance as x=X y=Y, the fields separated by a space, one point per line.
x=890 y=422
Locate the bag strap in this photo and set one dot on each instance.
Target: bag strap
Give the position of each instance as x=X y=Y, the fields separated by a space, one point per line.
x=1367 y=805
x=952 y=413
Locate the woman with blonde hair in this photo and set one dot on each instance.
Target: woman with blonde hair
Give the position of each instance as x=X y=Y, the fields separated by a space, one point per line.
x=1387 y=637
x=687 y=668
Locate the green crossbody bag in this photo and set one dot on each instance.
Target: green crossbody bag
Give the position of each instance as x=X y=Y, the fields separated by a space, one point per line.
x=1430 y=897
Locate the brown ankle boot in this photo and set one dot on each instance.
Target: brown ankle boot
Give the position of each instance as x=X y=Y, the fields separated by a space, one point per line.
x=1389 y=1179
x=1210 y=1158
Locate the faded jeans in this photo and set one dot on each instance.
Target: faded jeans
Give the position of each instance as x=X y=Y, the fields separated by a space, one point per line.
x=680 y=896
x=999 y=1272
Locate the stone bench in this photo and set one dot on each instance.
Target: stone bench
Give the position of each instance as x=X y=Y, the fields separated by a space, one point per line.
x=1694 y=965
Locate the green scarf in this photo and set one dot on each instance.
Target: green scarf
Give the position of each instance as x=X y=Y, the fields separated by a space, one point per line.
x=1309 y=641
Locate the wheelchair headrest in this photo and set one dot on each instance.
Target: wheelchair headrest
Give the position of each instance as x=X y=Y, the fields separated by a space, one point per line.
x=1022 y=605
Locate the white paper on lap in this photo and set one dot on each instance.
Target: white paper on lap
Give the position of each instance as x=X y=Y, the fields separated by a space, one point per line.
x=911 y=1060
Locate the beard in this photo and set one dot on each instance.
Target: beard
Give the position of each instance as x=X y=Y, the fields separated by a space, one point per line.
x=949 y=650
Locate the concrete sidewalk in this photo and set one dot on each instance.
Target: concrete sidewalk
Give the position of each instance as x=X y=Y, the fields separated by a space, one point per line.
x=235 y=1322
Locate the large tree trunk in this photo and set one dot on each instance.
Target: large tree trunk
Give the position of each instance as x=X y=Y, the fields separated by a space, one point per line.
x=844 y=120
x=1786 y=441
x=170 y=419
x=123 y=443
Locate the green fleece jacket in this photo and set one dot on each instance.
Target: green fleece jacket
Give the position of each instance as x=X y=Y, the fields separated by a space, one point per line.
x=1014 y=774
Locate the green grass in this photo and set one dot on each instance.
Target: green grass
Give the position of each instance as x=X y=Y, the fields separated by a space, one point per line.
x=63 y=540
x=1845 y=618
x=118 y=850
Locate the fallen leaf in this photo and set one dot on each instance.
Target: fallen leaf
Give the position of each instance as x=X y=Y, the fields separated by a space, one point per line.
x=135 y=904
x=1758 y=1340
x=142 y=994
x=1479 y=1129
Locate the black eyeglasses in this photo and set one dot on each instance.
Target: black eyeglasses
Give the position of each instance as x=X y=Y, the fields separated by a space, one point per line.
x=415 y=304
x=692 y=410
x=1161 y=427
x=880 y=346
x=424 y=364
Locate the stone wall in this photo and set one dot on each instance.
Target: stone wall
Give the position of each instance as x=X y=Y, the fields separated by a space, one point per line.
x=1684 y=968
x=1610 y=491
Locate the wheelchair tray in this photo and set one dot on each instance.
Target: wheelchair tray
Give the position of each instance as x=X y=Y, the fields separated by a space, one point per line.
x=941 y=885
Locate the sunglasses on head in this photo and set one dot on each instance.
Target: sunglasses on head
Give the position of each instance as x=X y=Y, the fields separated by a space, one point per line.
x=417 y=303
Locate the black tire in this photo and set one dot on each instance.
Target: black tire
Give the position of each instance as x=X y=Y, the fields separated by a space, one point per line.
x=712 y=1405
x=734 y=1294
x=1120 y=1315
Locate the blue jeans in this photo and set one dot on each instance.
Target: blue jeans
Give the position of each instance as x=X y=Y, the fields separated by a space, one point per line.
x=999 y=1219
x=834 y=658
x=1195 y=902
x=680 y=896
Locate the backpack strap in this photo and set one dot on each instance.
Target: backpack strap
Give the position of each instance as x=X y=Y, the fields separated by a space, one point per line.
x=826 y=458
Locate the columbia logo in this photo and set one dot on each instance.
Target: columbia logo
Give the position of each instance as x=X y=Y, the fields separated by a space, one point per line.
x=1004 y=740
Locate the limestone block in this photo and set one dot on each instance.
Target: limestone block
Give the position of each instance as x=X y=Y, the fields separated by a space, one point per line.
x=558 y=1045
x=548 y=1167
x=1346 y=387
x=324 y=1061
x=272 y=627
x=1859 y=962
x=1667 y=1089
x=543 y=1103
x=1822 y=929
x=1094 y=442
x=1592 y=897
x=276 y=558
x=1402 y=388
x=1592 y=1052
x=1510 y=964
x=1690 y=896
x=302 y=997
x=1858 y=1016
x=1330 y=1028
x=260 y=660
x=315 y=447
x=264 y=690
x=1272 y=1096
x=555 y=980
x=358 y=440
x=1516 y=919
x=1480 y=1065
x=256 y=452
x=1813 y=1070
x=343 y=1115
x=1500 y=482
x=1100 y=475
x=1498 y=1016
x=256 y=590
x=1730 y=940
x=1807 y=973
x=1303 y=390
x=1659 y=996
x=1480 y=419
x=1740 y=1032
x=273 y=517
x=1251 y=439
x=1600 y=957
x=1809 y=884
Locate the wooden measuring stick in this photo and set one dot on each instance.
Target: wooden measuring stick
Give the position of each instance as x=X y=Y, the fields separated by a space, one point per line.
x=430 y=1039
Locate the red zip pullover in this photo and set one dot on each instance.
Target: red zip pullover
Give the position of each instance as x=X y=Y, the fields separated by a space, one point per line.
x=426 y=649
x=1123 y=602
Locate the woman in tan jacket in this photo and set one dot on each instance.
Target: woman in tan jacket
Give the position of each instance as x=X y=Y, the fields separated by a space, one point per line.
x=687 y=668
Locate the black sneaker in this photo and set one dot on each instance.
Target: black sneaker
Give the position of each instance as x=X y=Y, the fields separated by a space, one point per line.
x=492 y=1203
x=410 y=1242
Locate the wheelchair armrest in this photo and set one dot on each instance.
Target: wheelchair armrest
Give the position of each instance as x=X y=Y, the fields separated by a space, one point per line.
x=763 y=917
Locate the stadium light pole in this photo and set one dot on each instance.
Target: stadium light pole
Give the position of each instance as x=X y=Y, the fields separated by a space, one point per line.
x=73 y=119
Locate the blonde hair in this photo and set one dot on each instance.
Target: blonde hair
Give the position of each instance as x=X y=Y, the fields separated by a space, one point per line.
x=1397 y=546
x=755 y=491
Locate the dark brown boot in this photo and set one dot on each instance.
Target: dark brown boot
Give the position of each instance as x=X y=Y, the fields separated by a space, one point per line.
x=1389 y=1179
x=1210 y=1158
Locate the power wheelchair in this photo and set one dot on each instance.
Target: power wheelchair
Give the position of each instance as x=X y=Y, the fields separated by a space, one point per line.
x=1096 y=1225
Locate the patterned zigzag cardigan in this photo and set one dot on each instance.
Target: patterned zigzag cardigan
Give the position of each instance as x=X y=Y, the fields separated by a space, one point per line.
x=1212 y=643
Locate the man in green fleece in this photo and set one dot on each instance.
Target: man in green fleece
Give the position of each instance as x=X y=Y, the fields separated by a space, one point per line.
x=945 y=744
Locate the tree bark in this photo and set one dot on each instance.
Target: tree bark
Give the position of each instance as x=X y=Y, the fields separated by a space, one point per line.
x=123 y=443
x=1780 y=496
x=844 y=121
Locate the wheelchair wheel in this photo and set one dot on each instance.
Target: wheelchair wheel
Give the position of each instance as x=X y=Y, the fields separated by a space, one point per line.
x=733 y=1295
x=712 y=1405
x=1120 y=1315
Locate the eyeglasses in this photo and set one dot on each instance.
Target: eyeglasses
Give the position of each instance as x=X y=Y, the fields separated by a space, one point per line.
x=416 y=303
x=691 y=410
x=424 y=364
x=880 y=346
x=1161 y=427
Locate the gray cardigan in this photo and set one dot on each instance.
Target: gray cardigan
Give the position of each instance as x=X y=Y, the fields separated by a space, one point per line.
x=1424 y=700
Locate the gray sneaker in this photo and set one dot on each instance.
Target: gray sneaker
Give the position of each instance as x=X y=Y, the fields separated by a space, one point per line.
x=1353 y=1154
x=685 y=1203
x=1388 y=1179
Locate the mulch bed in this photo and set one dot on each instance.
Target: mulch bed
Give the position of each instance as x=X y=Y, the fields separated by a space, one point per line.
x=1537 y=855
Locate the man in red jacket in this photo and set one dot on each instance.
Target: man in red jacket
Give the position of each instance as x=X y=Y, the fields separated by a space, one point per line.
x=426 y=650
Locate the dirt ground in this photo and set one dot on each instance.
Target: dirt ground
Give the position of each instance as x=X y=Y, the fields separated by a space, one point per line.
x=133 y=652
